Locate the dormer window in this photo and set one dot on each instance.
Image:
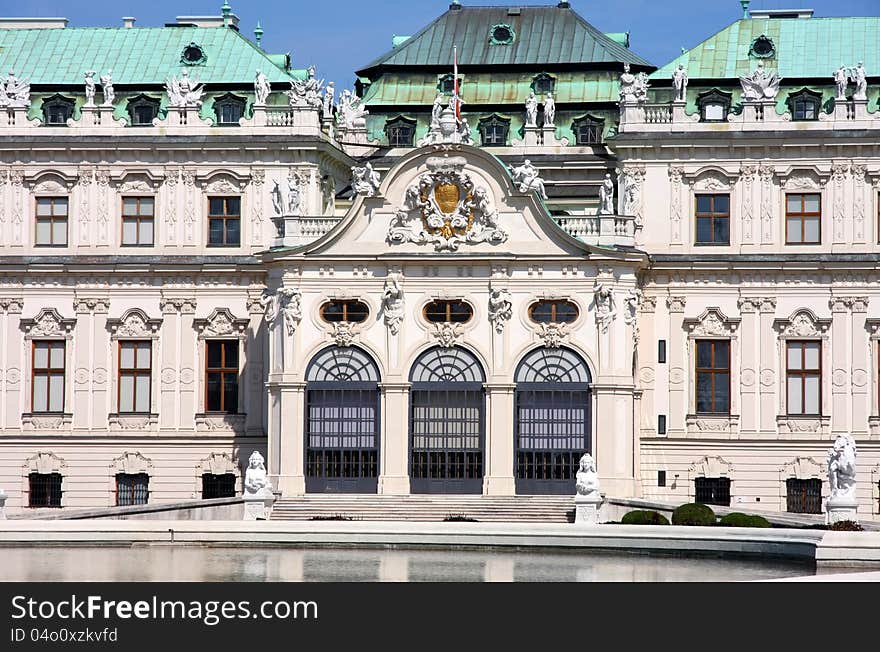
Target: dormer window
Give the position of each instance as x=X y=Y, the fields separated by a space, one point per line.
x=762 y=48
x=543 y=84
x=805 y=105
x=57 y=110
x=142 y=110
x=447 y=84
x=501 y=35
x=494 y=131
x=400 y=132
x=193 y=55
x=588 y=130
x=229 y=110
x=714 y=106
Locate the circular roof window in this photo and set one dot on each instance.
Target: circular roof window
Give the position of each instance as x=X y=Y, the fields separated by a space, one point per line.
x=763 y=48
x=193 y=55
x=501 y=35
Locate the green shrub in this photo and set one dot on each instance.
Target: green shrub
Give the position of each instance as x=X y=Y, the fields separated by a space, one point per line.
x=644 y=517
x=737 y=519
x=693 y=514
x=846 y=526
x=459 y=518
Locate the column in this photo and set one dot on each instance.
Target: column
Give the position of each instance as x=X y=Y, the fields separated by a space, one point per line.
x=12 y=365
x=678 y=372
x=254 y=346
x=647 y=414
x=394 y=444
x=169 y=364
x=291 y=437
x=749 y=361
x=861 y=402
x=498 y=467
x=769 y=362
x=840 y=365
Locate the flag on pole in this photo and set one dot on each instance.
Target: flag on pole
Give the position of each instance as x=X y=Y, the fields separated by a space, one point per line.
x=455 y=82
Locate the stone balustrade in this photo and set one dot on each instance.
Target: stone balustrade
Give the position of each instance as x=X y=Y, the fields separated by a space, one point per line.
x=299 y=230
x=601 y=230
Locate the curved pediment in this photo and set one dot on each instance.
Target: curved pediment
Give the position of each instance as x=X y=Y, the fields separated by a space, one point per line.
x=447 y=201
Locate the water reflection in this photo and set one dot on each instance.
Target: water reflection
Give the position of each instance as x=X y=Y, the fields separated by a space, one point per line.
x=162 y=563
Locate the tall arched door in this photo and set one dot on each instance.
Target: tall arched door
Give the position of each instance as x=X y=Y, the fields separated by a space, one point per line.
x=552 y=420
x=342 y=422
x=447 y=422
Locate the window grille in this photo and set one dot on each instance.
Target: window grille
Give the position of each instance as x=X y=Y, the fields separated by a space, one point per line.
x=44 y=490
x=804 y=496
x=712 y=491
x=218 y=485
x=132 y=489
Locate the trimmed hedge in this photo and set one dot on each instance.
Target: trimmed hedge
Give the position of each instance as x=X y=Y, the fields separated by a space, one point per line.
x=738 y=519
x=644 y=517
x=846 y=526
x=693 y=514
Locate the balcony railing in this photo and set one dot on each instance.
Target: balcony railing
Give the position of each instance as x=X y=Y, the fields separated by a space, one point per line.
x=600 y=230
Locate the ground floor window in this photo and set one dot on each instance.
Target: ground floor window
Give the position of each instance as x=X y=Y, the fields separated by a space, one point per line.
x=712 y=491
x=44 y=490
x=804 y=496
x=132 y=489
x=218 y=485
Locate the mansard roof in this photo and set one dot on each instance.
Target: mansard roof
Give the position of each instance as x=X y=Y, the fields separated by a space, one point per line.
x=546 y=36
x=805 y=48
x=137 y=56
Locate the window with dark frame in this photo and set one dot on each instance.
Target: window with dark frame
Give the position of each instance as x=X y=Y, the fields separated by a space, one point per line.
x=135 y=376
x=218 y=485
x=57 y=111
x=713 y=219
x=712 y=491
x=661 y=351
x=494 y=132
x=803 y=218
x=553 y=311
x=224 y=221
x=44 y=489
x=588 y=131
x=400 y=133
x=447 y=84
x=51 y=222
x=712 y=376
x=543 y=84
x=47 y=390
x=138 y=215
x=804 y=107
x=803 y=496
x=352 y=311
x=803 y=377
x=454 y=311
x=142 y=110
x=132 y=489
x=221 y=376
x=229 y=109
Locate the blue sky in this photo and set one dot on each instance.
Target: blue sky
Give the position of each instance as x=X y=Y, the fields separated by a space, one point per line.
x=340 y=36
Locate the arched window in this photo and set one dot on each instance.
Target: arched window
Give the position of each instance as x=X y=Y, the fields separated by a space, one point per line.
x=805 y=105
x=400 y=132
x=446 y=422
x=454 y=311
x=553 y=422
x=494 y=131
x=447 y=84
x=57 y=110
x=342 y=422
x=142 y=110
x=714 y=106
x=588 y=130
x=229 y=109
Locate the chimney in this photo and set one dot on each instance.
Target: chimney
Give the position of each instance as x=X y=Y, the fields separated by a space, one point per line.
x=33 y=23
x=128 y=22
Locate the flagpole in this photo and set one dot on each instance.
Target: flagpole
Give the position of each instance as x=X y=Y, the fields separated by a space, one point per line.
x=455 y=81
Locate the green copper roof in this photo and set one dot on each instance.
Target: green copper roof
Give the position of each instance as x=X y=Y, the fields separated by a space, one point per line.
x=136 y=56
x=544 y=36
x=805 y=48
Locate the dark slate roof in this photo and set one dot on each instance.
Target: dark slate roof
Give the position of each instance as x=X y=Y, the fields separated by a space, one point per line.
x=545 y=36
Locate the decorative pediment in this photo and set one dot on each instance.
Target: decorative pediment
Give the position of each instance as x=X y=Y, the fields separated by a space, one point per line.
x=224 y=183
x=711 y=467
x=712 y=180
x=803 y=323
x=803 y=468
x=712 y=323
x=44 y=462
x=52 y=183
x=134 y=324
x=803 y=179
x=131 y=464
x=218 y=464
x=48 y=323
x=221 y=323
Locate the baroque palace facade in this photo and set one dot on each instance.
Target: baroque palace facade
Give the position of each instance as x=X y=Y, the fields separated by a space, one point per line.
x=674 y=269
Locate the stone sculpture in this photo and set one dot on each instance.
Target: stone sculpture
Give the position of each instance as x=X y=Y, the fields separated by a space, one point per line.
x=365 y=180
x=258 y=496
x=603 y=298
x=549 y=110
x=528 y=179
x=680 y=82
x=437 y=111
x=286 y=303
x=633 y=89
x=841 y=462
x=329 y=101
x=760 y=85
x=306 y=93
x=841 y=81
x=587 y=497
x=500 y=308
x=392 y=303
x=531 y=110
x=351 y=112
x=107 y=88
x=183 y=92
x=860 y=79
x=606 y=196
x=15 y=93
x=90 y=88
x=262 y=88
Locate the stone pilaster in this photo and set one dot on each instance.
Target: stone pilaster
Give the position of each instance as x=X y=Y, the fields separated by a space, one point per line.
x=287 y=436
x=769 y=361
x=92 y=365
x=750 y=361
x=861 y=361
x=840 y=365
x=394 y=436
x=256 y=356
x=12 y=403
x=647 y=372
x=678 y=373
x=499 y=479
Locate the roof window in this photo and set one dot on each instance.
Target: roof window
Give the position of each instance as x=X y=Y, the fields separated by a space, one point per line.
x=501 y=35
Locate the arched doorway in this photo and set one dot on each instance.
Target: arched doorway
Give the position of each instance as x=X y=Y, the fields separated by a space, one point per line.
x=342 y=422
x=446 y=422
x=552 y=420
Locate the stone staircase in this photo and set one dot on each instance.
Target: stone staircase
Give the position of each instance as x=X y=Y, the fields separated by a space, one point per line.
x=360 y=507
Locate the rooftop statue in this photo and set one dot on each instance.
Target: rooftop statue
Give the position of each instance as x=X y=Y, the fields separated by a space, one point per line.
x=841 y=462
x=306 y=92
x=365 y=180
x=841 y=81
x=437 y=111
x=262 y=88
x=107 y=87
x=633 y=88
x=15 y=93
x=528 y=179
x=606 y=196
x=760 y=85
x=531 y=110
x=329 y=101
x=90 y=88
x=183 y=92
x=351 y=112
x=680 y=82
x=860 y=79
x=549 y=110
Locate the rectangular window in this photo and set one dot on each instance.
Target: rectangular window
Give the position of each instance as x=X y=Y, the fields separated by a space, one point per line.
x=221 y=376
x=51 y=222
x=137 y=221
x=218 y=485
x=661 y=351
x=44 y=490
x=661 y=478
x=48 y=377
x=804 y=496
x=713 y=376
x=803 y=218
x=712 y=491
x=224 y=221
x=804 y=378
x=713 y=219
x=661 y=424
x=134 y=377
x=132 y=489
